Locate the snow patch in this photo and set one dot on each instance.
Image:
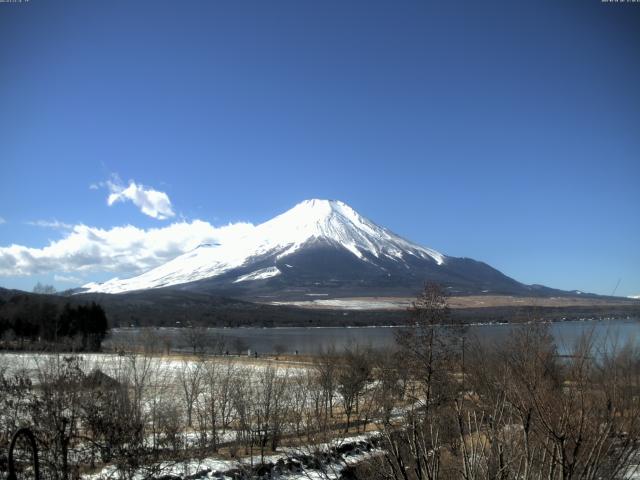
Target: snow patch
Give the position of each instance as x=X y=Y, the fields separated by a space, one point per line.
x=350 y=303
x=259 y=274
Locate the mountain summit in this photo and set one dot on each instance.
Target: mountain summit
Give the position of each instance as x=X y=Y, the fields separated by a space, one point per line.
x=339 y=224
x=319 y=247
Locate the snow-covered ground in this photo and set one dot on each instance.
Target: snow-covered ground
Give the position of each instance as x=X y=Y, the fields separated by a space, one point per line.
x=353 y=303
x=633 y=472
x=209 y=466
x=170 y=366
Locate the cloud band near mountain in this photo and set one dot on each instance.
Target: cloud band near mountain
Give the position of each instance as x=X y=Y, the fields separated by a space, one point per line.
x=125 y=249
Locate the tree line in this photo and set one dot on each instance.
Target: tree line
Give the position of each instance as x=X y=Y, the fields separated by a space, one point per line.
x=37 y=322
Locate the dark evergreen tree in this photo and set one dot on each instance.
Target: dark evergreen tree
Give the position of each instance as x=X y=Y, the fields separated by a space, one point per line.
x=39 y=320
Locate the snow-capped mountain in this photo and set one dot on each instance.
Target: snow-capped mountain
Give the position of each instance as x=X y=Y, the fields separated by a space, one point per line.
x=319 y=247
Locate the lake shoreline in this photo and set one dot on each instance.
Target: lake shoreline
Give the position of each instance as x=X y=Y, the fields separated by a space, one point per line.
x=311 y=340
x=404 y=325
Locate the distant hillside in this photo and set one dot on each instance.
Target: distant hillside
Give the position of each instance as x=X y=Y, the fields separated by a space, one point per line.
x=167 y=307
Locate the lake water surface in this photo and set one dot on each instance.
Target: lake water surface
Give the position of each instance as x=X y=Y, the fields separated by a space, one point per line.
x=306 y=340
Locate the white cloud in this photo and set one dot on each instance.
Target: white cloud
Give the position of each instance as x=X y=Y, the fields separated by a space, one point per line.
x=50 y=224
x=153 y=203
x=2 y=220
x=127 y=249
x=68 y=279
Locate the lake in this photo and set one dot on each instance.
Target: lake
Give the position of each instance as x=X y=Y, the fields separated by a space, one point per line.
x=306 y=340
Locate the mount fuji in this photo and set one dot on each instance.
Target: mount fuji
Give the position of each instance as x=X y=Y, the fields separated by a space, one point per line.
x=319 y=248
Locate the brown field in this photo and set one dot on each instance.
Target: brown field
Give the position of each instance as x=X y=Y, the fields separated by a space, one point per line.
x=472 y=301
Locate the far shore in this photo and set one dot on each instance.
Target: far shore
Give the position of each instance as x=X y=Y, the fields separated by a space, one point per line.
x=458 y=302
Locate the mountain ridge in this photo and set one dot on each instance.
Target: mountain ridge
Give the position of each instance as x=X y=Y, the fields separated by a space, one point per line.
x=319 y=247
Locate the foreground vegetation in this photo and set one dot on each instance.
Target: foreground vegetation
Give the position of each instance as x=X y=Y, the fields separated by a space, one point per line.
x=439 y=407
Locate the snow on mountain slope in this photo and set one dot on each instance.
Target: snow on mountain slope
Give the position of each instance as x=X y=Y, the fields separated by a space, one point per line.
x=327 y=221
x=259 y=274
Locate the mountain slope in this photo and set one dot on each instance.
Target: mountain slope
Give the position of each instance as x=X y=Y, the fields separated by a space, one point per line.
x=319 y=247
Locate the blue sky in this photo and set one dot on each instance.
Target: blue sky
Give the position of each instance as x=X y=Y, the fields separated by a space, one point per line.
x=504 y=131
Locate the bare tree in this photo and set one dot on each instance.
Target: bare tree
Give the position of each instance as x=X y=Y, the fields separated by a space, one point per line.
x=240 y=345
x=56 y=411
x=190 y=379
x=352 y=377
x=16 y=392
x=326 y=365
x=196 y=337
x=217 y=397
x=428 y=349
x=44 y=289
x=430 y=344
x=243 y=405
x=300 y=399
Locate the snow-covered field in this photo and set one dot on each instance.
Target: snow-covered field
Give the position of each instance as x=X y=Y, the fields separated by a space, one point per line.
x=467 y=301
x=34 y=363
x=360 y=449
x=352 y=303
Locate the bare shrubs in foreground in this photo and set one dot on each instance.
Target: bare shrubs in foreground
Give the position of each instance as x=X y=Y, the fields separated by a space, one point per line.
x=515 y=410
x=439 y=406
